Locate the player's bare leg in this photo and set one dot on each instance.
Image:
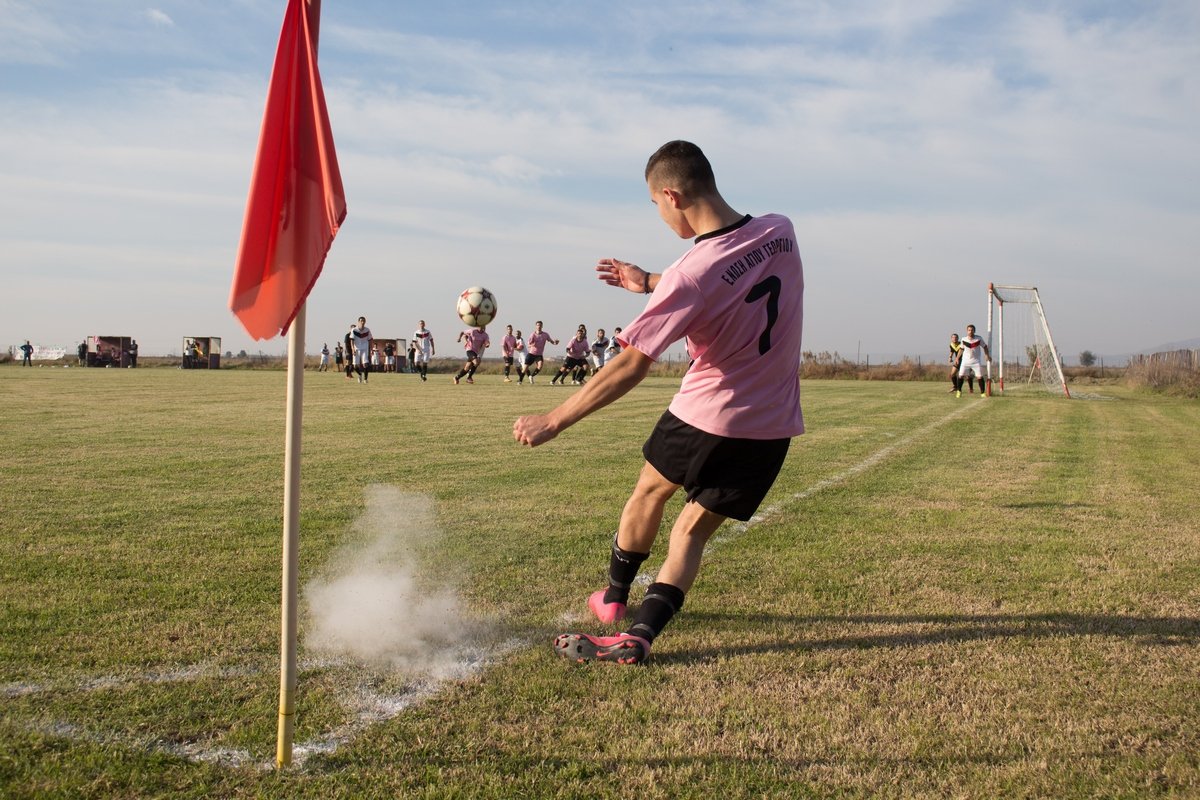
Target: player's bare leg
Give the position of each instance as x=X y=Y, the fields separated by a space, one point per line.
x=640 y=523
x=642 y=516
x=691 y=532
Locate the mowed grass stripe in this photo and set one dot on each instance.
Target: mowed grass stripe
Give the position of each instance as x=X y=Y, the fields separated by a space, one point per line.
x=1006 y=607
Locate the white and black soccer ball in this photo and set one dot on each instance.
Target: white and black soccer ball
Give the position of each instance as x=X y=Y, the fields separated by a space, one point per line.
x=477 y=306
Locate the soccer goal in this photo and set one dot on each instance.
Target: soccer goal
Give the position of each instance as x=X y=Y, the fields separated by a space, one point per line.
x=1024 y=348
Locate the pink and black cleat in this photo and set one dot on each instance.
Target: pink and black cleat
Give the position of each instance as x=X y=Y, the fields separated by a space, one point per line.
x=608 y=613
x=623 y=648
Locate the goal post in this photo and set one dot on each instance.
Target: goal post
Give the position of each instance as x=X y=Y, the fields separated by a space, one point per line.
x=1025 y=351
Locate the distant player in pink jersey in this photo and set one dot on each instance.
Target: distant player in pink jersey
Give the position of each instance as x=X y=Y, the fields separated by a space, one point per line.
x=535 y=350
x=508 y=346
x=737 y=296
x=475 y=341
x=577 y=350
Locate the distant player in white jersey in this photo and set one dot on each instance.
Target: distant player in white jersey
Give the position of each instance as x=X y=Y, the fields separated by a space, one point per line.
x=971 y=365
x=614 y=345
x=475 y=342
x=600 y=347
x=519 y=357
x=423 y=349
x=362 y=338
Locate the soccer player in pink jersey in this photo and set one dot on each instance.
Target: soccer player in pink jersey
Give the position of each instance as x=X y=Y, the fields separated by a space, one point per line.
x=535 y=349
x=475 y=341
x=508 y=346
x=737 y=296
x=577 y=350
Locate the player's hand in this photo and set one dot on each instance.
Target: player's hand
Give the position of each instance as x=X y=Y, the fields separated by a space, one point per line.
x=533 y=430
x=628 y=276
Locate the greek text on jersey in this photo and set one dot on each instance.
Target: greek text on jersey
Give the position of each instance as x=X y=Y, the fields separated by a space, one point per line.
x=753 y=258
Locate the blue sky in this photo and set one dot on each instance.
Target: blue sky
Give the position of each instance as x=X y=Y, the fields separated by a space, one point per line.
x=922 y=149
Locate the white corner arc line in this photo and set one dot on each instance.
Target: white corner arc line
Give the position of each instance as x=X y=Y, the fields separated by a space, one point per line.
x=736 y=530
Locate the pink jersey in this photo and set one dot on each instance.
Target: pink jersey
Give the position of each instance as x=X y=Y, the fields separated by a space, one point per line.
x=507 y=345
x=738 y=297
x=536 y=343
x=476 y=339
x=578 y=348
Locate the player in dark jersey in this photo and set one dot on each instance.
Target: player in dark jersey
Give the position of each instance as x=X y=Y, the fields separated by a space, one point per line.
x=955 y=362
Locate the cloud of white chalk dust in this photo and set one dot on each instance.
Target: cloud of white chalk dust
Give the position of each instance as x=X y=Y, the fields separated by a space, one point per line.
x=371 y=605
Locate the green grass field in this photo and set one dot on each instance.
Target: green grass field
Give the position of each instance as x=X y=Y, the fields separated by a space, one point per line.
x=944 y=598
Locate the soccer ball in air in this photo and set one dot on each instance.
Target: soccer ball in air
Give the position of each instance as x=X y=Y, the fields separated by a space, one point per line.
x=477 y=306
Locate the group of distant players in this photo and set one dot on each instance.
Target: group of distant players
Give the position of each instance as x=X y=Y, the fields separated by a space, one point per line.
x=527 y=357
x=966 y=361
x=358 y=355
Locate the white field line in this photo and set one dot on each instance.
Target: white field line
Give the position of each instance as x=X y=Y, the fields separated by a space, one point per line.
x=368 y=706
x=736 y=530
x=365 y=704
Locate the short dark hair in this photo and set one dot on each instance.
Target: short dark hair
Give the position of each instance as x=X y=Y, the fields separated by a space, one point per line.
x=681 y=166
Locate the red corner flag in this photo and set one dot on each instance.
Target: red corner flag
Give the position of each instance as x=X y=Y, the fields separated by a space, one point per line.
x=296 y=201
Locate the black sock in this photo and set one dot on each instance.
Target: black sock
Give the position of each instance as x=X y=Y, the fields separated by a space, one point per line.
x=662 y=602
x=623 y=567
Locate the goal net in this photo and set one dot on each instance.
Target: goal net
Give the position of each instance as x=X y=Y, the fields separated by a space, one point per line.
x=1024 y=350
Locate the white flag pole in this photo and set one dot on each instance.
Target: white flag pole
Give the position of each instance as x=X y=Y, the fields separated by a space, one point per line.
x=291 y=540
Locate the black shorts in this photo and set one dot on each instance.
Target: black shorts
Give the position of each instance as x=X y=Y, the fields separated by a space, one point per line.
x=508 y=361
x=532 y=358
x=572 y=363
x=725 y=476
x=472 y=355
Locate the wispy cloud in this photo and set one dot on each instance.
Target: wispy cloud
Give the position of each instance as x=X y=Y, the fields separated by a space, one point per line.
x=997 y=142
x=159 y=17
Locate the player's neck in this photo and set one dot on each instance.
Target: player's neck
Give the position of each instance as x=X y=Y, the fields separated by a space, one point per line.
x=710 y=214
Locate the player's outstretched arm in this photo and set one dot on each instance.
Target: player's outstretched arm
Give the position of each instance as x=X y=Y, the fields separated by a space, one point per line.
x=628 y=276
x=624 y=372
